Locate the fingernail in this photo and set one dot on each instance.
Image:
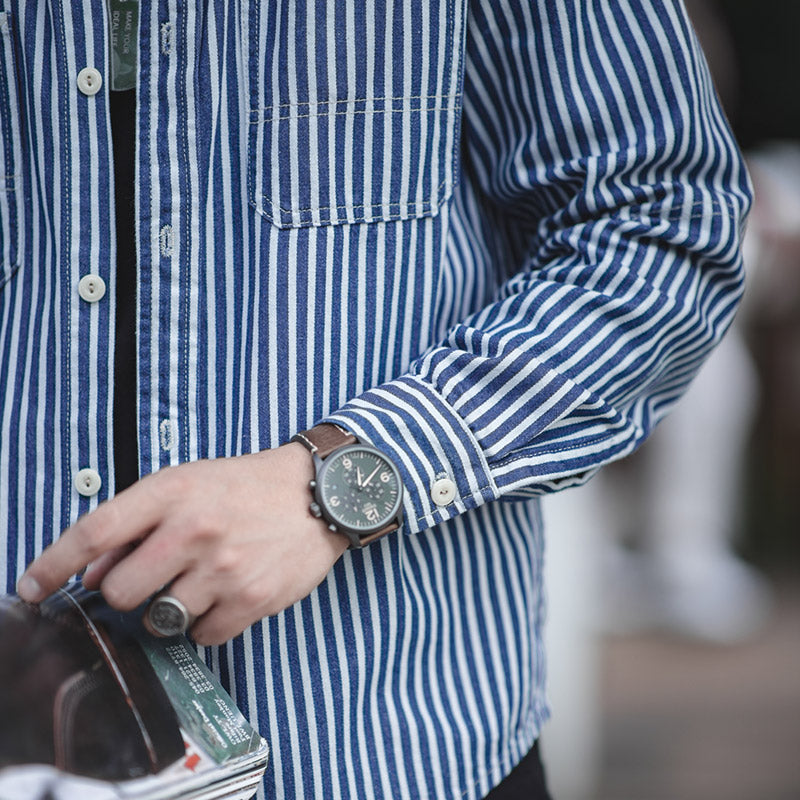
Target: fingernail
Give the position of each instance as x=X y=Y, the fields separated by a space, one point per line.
x=29 y=590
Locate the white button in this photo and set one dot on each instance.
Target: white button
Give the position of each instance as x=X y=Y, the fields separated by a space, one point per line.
x=91 y=288
x=443 y=491
x=88 y=482
x=89 y=81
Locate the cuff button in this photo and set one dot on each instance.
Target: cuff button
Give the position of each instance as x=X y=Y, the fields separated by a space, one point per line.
x=443 y=491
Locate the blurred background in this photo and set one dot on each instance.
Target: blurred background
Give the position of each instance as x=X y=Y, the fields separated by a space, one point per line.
x=674 y=577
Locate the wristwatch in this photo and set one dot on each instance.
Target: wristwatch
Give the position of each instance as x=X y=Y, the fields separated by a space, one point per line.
x=357 y=489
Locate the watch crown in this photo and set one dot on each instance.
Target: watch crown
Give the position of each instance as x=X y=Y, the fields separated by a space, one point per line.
x=315 y=510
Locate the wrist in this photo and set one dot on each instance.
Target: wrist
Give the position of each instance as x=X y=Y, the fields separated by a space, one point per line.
x=357 y=490
x=301 y=468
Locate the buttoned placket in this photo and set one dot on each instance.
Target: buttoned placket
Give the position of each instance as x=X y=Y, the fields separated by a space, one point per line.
x=91 y=287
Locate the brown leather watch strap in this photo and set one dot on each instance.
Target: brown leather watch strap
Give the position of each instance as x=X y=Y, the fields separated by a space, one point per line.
x=324 y=438
x=373 y=537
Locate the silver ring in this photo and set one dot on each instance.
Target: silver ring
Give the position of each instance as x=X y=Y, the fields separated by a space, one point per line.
x=166 y=616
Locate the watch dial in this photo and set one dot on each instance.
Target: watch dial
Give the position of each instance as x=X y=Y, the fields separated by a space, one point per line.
x=360 y=488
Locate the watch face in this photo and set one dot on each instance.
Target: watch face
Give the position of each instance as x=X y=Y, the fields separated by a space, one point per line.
x=359 y=488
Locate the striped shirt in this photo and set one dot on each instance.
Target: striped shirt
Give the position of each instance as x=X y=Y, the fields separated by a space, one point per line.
x=495 y=238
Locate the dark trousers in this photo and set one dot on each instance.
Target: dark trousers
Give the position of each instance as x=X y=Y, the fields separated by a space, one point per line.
x=525 y=782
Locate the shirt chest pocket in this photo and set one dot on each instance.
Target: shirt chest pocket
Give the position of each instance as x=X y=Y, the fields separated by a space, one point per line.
x=354 y=108
x=10 y=152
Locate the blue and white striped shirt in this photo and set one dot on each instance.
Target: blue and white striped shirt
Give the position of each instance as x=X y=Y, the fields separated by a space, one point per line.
x=495 y=238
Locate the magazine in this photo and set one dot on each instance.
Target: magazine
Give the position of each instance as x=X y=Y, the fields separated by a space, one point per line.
x=92 y=707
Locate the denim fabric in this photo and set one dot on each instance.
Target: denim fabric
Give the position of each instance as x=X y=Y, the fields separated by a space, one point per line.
x=496 y=240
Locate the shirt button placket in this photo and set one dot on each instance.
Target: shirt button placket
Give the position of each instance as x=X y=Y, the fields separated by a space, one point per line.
x=91 y=288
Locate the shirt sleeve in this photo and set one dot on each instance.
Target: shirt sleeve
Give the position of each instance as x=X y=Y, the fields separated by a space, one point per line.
x=595 y=144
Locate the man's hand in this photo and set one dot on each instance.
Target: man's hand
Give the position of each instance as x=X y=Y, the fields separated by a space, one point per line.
x=234 y=536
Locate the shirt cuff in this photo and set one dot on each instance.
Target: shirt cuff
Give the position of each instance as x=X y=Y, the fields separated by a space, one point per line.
x=444 y=470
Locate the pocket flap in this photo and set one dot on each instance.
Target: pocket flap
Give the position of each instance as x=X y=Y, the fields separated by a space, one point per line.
x=353 y=161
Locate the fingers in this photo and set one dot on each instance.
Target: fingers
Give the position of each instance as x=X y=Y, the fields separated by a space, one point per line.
x=145 y=569
x=217 y=627
x=130 y=516
x=196 y=597
x=214 y=618
x=222 y=621
x=100 y=567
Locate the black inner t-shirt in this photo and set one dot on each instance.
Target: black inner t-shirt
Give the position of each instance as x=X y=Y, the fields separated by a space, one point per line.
x=123 y=134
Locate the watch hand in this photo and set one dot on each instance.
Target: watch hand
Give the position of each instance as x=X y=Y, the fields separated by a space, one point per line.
x=371 y=475
x=358 y=477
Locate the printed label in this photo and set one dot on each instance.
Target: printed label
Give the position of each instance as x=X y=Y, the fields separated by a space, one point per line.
x=124 y=23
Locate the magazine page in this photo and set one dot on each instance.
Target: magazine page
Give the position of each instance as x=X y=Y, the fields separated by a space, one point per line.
x=94 y=707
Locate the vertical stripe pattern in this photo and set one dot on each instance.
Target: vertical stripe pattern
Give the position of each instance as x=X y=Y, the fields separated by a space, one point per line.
x=494 y=238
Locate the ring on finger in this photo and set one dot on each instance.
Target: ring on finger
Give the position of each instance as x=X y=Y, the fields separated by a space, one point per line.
x=167 y=616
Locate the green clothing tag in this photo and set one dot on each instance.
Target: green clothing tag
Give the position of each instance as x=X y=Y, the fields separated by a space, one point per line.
x=124 y=22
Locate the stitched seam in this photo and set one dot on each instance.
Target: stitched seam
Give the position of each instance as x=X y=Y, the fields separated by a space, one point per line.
x=399 y=203
x=66 y=452
x=185 y=248
x=252 y=193
x=566 y=448
x=345 y=112
x=384 y=99
x=8 y=134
